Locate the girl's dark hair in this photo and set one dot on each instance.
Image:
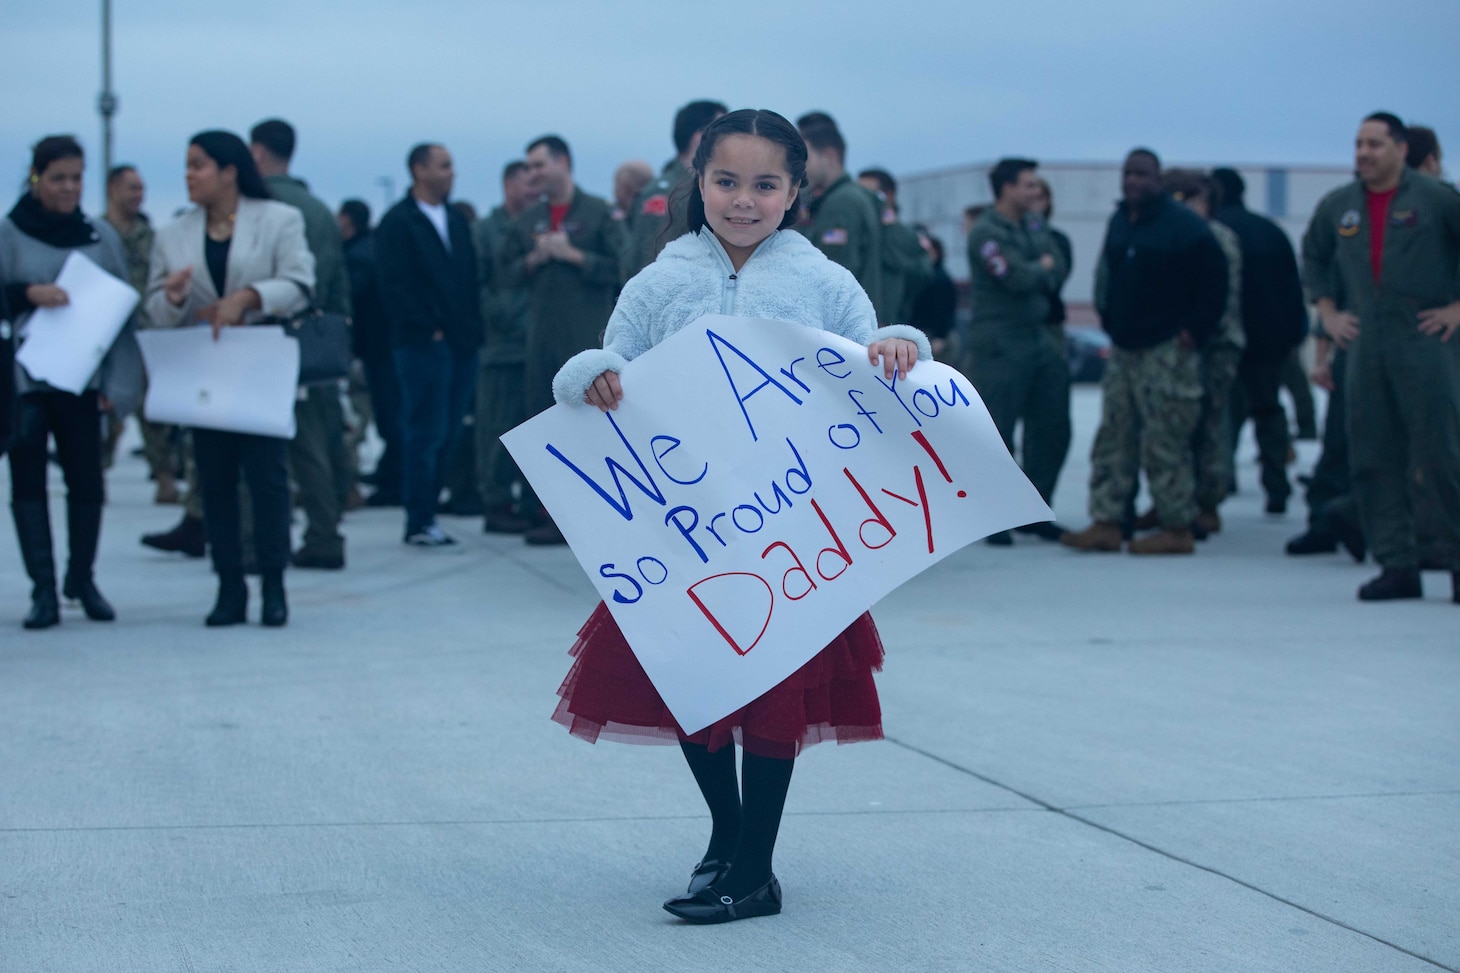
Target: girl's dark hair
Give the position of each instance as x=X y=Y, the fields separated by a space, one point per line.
x=227 y=149
x=54 y=148
x=748 y=121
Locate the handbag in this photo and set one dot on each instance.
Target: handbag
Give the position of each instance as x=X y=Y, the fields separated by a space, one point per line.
x=325 y=349
x=324 y=345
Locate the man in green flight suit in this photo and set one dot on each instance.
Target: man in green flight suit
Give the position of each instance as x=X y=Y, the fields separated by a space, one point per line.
x=905 y=264
x=501 y=401
x=1382 y=263
x=566 y=251
x=317 y=454
x=838 y=215
x=661 y=212
x=1016 y=360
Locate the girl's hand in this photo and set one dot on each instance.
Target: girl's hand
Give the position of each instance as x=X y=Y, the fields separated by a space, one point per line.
x=605 y=392
x=896 y=353
x=46 y=295
x=175 y=286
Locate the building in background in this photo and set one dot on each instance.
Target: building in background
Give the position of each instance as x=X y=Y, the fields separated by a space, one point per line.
x=1085 y=194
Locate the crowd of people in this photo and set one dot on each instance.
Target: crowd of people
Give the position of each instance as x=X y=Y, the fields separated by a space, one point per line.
x=460 y=323
x=465 y=326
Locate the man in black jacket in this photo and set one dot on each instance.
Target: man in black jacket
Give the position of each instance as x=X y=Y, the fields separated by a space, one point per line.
x=427 y=266
x=1275 y=321
x=370 y=336
x=1161 y=287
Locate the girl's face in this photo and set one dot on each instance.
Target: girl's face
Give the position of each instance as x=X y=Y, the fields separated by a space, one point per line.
x=59 y=187
x=206 y=182
x=747 y=191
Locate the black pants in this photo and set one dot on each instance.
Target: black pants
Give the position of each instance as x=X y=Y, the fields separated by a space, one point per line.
x=384 y=386
x=1256 y=398
x=1330 y=476
x=75 y=422
x=264 y=462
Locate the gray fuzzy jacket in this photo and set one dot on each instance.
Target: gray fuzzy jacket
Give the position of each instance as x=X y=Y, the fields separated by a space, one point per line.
x=26 y=260
x=785 y=279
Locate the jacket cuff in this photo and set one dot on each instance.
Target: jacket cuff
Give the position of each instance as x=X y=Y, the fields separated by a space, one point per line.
x=907 y=331
x=577 y=374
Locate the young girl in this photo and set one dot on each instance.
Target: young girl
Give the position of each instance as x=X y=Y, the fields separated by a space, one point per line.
x=738 y=258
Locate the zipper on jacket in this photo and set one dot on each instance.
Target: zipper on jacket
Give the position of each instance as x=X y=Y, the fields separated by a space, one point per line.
x=727 y=298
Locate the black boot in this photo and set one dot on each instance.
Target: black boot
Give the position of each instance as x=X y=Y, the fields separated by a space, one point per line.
x=84 y=520
x=1341 y=518
x=188 y=537
x=1316 y=541
x=1391 y=584
x=276 y=608
x=232 y=605
x=33 y=530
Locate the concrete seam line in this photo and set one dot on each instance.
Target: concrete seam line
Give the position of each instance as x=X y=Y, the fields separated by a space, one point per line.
x=1065 y=813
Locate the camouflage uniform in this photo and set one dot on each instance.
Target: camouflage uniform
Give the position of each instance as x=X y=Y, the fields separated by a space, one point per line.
x=1219 y=361
x=1151 y=405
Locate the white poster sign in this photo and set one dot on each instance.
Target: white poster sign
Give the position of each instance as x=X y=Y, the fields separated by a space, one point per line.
x=759 y=487
x=243 y=382
x=64 y=346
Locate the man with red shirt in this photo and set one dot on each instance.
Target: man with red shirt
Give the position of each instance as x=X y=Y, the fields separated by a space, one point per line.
x=1382 y=261
x=566 y=251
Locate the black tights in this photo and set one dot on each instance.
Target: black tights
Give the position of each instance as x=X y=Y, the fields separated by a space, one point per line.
x=743 y=828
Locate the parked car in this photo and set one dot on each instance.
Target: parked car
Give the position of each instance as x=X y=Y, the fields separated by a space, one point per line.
x=1088 y=349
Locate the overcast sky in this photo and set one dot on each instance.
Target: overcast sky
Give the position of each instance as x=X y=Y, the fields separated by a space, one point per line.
x=915 y=86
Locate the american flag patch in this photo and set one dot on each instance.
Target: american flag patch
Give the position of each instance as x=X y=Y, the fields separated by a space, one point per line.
x=834 y=238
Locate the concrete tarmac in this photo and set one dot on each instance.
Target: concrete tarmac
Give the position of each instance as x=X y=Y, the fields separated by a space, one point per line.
x=1094 y=763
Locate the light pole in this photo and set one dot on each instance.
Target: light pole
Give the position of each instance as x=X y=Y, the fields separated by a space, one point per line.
x=106 y=103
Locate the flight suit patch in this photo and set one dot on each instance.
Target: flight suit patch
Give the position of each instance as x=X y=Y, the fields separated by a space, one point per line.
x=993 y=259
x=834 y=238
x=1403 y=217
x=1348 y=223
x=656 y=206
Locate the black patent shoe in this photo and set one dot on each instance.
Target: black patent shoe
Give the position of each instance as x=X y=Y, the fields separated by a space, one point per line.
x=1393 y=584
x=232 y=605
x=709 y=906
x=97 y=608
x=705 y=874
x=45 y=610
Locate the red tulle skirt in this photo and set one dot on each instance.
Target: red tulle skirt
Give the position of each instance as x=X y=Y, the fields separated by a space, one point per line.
x=832 y=697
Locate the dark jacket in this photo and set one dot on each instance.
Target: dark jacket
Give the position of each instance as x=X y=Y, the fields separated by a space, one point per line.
x=370 y=332
x=1062 y=244
x=935 y=305
x=426 y=288
x=1273 y=314
x=1160 y=275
